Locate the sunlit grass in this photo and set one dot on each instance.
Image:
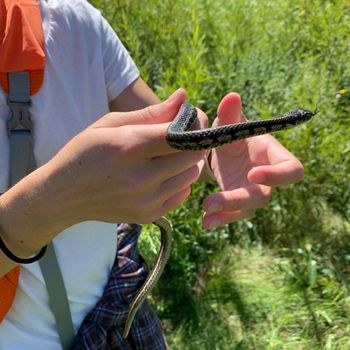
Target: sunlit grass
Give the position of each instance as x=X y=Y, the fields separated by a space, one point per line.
x=279 y=280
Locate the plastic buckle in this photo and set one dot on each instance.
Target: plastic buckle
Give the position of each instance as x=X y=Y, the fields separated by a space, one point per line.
x=18 y=101
x=19 y=117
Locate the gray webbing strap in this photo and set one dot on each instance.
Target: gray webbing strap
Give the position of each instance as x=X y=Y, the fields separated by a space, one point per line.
x=22 y=162
x=57 y=297
x=19 y=127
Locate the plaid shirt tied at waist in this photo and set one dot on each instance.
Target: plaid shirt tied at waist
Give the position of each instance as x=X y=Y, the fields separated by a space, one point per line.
x=103 y=327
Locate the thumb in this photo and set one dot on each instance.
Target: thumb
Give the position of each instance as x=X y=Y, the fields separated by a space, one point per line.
x=165 y=111
x=155 y=114
x=229 y=110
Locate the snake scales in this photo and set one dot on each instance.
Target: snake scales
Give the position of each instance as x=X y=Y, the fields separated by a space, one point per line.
x=180 y=136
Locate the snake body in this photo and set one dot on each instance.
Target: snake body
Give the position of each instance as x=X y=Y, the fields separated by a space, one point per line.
x=165 y=235
x=180 y=136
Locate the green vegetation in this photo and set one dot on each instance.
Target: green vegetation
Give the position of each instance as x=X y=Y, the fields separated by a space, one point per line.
x=279 y=280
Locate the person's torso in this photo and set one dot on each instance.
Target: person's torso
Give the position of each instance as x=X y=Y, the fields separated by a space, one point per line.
x=74 y=94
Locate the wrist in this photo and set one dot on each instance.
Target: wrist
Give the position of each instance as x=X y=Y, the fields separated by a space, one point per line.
x=27 y=221
x=10 y=243
x=24 y=259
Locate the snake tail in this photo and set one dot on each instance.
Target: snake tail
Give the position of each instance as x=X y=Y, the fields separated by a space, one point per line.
x=165 y=233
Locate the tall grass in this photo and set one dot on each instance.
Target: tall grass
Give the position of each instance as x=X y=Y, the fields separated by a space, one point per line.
x=279 y=280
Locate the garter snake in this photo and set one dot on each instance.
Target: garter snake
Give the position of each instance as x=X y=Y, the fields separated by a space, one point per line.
x=180 y=136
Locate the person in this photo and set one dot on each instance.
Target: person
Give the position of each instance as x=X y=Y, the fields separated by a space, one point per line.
x=102 y=158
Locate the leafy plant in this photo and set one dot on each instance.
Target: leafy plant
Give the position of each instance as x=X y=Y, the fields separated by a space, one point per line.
x=279 y=280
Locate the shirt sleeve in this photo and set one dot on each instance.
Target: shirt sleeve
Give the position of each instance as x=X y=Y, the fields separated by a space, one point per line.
x=119 y=68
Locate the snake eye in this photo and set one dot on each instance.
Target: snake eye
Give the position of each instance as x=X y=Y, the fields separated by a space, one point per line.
x=305 y=114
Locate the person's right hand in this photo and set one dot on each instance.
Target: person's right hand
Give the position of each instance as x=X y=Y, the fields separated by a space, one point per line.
x=121 y=168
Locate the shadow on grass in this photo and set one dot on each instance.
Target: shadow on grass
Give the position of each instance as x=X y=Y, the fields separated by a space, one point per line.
x=202 y=317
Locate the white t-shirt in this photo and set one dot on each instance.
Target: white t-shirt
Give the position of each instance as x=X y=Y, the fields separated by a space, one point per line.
x=86 y=66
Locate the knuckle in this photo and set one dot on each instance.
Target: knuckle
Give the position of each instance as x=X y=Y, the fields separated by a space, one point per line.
x=146 y=113
x=127 y=144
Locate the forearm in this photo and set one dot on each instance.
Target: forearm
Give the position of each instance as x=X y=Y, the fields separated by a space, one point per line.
x=136 y=96
x=29 y=217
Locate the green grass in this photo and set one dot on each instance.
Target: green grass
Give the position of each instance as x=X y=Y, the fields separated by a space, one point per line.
x=279 y=280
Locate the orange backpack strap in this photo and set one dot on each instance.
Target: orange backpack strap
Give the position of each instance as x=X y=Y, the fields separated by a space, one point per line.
x=22 y=49
x=21 y=41
x=8 y=285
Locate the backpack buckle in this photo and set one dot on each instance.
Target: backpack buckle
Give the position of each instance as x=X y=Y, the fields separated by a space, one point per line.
x=19 y=102
x=19 y=118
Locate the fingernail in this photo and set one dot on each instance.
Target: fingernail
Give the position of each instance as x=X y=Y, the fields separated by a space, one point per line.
x=172 y=97
x=215 y=207
x=214 y=223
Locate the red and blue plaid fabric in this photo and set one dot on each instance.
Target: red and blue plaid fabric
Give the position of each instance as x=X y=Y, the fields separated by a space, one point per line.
x=103 y=327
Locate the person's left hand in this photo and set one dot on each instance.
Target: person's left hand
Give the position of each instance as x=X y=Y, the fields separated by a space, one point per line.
x=246 y=171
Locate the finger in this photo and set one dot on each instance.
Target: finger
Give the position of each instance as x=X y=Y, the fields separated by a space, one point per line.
x=174 y=201
x=283 y=173
x=137 y=141
x=149 y=138
x=159 y=113
x=229 y=110
x=248 y=198
x=203 y=119
x=176 y=183
x=211 y=221
x=172 y=164
x=271 y=151
x=170 y=190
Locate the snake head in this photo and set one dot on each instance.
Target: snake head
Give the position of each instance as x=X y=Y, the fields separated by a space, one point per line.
x=304 y=115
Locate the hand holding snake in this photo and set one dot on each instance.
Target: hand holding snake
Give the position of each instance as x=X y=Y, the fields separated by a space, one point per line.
x=246 y=171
